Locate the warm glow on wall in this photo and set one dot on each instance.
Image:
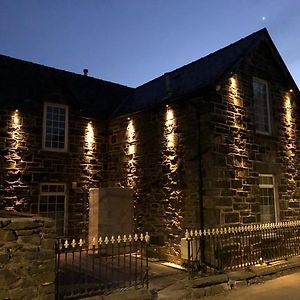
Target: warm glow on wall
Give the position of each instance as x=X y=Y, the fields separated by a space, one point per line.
x=90 y=162
x=16 y=118
x=289 y=127
x=169 y=128
x=16 y=129
x=234 y=91
x=90 y=136
x=130 y=137
x=17 y=139
x=288 y=110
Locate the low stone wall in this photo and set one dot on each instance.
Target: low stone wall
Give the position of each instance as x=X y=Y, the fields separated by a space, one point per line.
x=27 y=257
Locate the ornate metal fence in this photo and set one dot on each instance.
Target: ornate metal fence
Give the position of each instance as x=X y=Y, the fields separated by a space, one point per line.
x=108 y=263
x=241 y=246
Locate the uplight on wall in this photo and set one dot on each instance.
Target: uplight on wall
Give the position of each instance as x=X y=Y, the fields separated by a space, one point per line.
x=131 y=137
x=90 y=136
x=17 y=140
x=90 y=162
x=169 y=128
x=131 y=151
x=288 y=109
x=289 y=126
x=233 y=91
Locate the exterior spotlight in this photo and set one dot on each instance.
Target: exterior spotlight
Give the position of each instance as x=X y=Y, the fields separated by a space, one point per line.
x=128 y=119
x=291 y=90
x=167 y=106
x=16 y=110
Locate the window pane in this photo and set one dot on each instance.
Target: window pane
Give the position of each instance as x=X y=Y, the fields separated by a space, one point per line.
x=52 y=204
x=266 y=199
x=261 y=106
x=55 y=127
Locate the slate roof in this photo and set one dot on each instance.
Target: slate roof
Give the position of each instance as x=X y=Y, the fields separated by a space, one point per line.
x=206 y=71
x=24 y=83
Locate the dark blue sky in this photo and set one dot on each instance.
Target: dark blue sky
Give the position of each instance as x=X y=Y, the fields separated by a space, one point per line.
x=134 y=41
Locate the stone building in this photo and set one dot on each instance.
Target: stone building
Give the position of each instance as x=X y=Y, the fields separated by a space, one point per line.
x=215 y=142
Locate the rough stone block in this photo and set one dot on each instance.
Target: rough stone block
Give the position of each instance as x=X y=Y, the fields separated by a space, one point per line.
x=4 y=223
x=33 y=239
x=23 y=223
x=240 y=275
x=23 y=294
x=7 y=235
x=210 y=280
x=7 y=277
x=48 y=243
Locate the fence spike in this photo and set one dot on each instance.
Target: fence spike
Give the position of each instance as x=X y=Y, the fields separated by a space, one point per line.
x=147 y=237
x=130 y=238
x=73 y=243
x=80 y=242
x=196 y=233
x=100 y=241
x=136 y=237
x=200 y=232
x=186 y=235
x=94 y=241
x=119 y=239
x=112 y=239
x=141 y=237
x=191 y=233
x=204 y=232
x=213 y=231
x=60 y=244
x=106 y=240
x=124 y=238
x=66 y=244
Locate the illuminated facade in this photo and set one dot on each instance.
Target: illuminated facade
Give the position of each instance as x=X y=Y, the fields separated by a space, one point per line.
x=212 y=143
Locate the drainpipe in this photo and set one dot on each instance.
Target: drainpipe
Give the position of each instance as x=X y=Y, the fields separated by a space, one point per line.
x=200 y=183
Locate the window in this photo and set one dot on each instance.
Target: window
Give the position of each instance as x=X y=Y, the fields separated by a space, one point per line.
x=52 y=204
x=55 y=130
x=261 y=106
x=267 y=198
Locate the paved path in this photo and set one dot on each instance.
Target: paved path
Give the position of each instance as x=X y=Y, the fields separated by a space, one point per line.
x=282 y=288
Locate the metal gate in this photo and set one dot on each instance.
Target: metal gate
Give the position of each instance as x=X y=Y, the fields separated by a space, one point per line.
x=109 y=263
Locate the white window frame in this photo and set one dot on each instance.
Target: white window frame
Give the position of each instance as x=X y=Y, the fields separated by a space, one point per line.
x=65 y=194
x=50 y=104
x=271 y=186
x=269 y=131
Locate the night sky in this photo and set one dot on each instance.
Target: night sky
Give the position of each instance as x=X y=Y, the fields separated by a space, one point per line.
x=134 y=41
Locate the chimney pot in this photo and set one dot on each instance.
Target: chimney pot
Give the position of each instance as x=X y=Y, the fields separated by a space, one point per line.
x=85 y=72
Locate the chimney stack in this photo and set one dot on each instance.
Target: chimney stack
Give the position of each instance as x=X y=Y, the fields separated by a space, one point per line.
x=85 y=72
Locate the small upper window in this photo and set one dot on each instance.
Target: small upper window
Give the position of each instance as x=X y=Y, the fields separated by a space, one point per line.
x=267 y=198
x=261 y=106
x=55 y=130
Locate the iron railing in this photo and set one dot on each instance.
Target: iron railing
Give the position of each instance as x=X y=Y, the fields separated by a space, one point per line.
x=230 y=248
x=109 y=263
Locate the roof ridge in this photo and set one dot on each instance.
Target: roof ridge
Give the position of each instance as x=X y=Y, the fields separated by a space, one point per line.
x=208 y=55
x=61 y=70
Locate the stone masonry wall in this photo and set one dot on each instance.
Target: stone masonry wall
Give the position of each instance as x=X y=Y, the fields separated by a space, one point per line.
x=27 y=256
x=156 y=153
x=238 y=154
x=24 y=164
